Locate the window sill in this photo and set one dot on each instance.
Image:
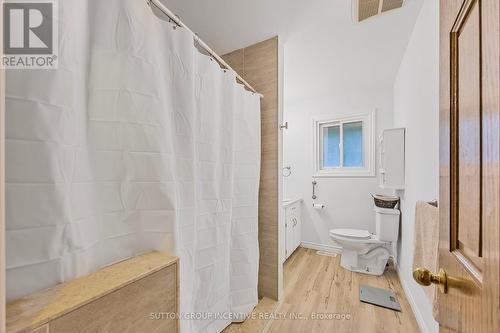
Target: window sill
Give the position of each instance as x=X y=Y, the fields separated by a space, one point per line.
x=361 y=173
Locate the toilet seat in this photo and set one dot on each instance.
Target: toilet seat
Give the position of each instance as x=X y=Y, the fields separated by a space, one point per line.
x=351 y=233
x=355 y=236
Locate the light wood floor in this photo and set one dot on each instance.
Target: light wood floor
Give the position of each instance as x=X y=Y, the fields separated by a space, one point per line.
x=317 y=284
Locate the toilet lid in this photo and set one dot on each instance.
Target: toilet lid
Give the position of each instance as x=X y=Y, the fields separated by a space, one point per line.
x=351 y=233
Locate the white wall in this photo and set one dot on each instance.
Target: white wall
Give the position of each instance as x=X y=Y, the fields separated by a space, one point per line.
x=318 y=85
x=348 y=201
x=335 y=67
x=416 y=107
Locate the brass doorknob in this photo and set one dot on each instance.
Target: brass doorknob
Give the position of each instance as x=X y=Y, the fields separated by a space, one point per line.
x=425 y=277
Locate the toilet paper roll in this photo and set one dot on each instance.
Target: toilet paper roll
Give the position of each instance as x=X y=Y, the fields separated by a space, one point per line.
x=318 y=206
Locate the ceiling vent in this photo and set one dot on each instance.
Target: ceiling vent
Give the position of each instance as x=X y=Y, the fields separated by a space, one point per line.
x=364 y=9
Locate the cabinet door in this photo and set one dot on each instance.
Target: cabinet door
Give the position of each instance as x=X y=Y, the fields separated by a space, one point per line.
x=294 y=224
x=295 y=229
x=289 y=233
x=392 y=159
x=298 y=228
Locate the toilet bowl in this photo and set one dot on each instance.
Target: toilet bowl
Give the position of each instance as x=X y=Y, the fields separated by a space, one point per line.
x=357 y=240
x=368 y=253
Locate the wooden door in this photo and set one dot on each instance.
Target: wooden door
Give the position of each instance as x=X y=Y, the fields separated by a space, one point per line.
x=469 y=165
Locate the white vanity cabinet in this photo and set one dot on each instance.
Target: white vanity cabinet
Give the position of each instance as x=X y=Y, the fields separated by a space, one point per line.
x=293 y=225
x=392 y=159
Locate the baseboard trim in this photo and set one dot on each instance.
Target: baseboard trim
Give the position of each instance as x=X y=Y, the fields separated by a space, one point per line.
x=322 y=247
x=418 y=315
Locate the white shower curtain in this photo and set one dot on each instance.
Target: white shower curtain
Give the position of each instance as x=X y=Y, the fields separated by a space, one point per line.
x=136 y=143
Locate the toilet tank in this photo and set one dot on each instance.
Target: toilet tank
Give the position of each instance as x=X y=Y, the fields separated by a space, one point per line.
x=387 y=224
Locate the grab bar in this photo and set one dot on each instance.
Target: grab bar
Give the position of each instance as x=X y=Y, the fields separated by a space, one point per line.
x=314 y=183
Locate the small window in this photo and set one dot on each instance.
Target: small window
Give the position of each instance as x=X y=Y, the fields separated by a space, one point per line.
x=331 y=147
x=353 y=144
x=345 y=147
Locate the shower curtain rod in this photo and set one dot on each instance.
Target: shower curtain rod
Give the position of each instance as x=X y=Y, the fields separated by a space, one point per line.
x=173 y=18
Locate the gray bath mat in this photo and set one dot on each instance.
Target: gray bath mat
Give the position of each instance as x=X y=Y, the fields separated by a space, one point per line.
x=380 y=297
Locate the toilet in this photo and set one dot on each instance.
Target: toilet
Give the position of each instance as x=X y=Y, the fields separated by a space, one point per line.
x=365 y=252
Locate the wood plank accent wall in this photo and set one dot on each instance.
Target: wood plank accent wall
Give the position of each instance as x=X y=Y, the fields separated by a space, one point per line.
x=258 y=65
x=132 y=296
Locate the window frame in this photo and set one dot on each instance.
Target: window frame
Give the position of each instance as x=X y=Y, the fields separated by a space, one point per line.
x=368 y=125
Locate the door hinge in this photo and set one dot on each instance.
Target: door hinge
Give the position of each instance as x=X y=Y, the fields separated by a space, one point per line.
x=284 y=125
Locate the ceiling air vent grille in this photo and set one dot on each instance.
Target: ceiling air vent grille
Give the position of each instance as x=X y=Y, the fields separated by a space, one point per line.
x=363 y=9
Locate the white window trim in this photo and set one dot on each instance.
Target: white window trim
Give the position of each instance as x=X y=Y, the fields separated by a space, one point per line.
x=369 y=140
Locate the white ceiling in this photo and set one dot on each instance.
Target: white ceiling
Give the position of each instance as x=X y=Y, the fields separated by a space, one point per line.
x=323 y=46
x=227 y=25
